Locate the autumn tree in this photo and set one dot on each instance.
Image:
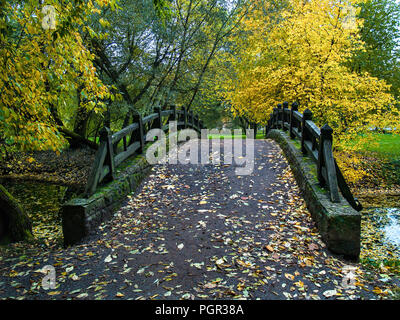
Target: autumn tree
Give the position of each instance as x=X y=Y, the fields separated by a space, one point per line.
x=298 y=52
x=380 y=33
x=43 y=62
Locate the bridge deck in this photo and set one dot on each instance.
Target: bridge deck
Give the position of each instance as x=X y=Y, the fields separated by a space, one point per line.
x=197 y=231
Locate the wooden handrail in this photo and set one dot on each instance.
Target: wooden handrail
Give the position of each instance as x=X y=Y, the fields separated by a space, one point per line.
x=317 y=144
x=108 y=157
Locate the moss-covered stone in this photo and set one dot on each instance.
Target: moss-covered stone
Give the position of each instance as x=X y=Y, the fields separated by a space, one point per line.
x=81 y=216
x=15 y=224
x=338 y=223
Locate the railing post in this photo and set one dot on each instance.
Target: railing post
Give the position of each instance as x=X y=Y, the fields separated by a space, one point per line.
x=278 y=120
x=138 y=135
x=295 y=107
x=191 y=118
x=185 y=116
x=97 y=167
x=326 y=135
x=274 y=117
x=307 y=115
x=105 y=136
x=174 y=114
x=160 y=120
x=326 y=141
x=285 y=108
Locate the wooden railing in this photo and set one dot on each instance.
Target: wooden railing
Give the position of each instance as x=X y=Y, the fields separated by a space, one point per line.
x=317 y=143
x=109 y=155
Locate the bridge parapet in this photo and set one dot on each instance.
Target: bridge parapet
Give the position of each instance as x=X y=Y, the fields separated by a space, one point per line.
x=309 y=151
x=117 y=170
x=133 y=136
x=317 y=143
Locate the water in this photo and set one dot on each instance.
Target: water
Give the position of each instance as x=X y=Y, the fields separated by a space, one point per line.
x=392 y=229
x=380 y=234
x=42 y=202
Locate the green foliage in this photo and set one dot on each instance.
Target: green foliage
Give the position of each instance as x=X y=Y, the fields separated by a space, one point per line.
x=381 y=34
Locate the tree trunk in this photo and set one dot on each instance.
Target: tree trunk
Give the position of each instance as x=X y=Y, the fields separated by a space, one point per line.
x=76 y=140
x=82 y=117
x=14 y=223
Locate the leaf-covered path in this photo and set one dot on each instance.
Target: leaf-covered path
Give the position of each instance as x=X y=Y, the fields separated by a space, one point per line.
x=193 y=232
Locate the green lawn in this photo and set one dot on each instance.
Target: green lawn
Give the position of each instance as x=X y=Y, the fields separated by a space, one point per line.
x=386 y=145
x=260 y=135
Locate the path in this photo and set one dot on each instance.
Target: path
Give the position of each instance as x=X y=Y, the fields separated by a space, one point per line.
x=197 y=232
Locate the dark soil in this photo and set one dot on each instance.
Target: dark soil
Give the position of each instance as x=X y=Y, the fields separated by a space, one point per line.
x=70 y=168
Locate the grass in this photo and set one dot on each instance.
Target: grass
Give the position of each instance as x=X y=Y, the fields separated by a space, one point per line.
x=379 y=159
x=385 y=146
x=260 y=135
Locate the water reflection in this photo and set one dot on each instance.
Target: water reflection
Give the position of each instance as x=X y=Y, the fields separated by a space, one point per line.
x=42 y=202
x=392 y=228
x=380 y=233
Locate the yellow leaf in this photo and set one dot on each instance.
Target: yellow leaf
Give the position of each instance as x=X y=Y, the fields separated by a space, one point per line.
x=289 y=276
x=269 y=248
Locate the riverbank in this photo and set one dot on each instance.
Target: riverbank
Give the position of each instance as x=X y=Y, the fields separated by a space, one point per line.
x=69 y=168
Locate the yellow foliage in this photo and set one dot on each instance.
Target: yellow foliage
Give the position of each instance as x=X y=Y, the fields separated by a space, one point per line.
x=299 y=53
x=42 y=68
x=350 y=165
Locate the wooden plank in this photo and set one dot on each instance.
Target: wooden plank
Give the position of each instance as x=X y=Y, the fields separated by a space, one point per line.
x=331 y=171
x=174 y=116
x=292 y=120
x=157 y=124
x=167 y=112
x=346 y=192
x=298 y=116
x=116 y=137
x=126 y=154
x=150 y=117
x=138 y=135
x=313 y=129
x=185 y=117
x=96 y=170
x=105 y=135
x=307 y=115
x=310 y=151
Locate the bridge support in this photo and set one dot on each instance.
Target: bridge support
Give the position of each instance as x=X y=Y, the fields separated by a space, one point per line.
x=338 y=223
x=81 y=216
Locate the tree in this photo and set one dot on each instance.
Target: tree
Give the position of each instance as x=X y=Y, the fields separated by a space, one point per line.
x=41 y=68
x=380 y=32
x=14 y=223
x=152 y=60
x=299 y=54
